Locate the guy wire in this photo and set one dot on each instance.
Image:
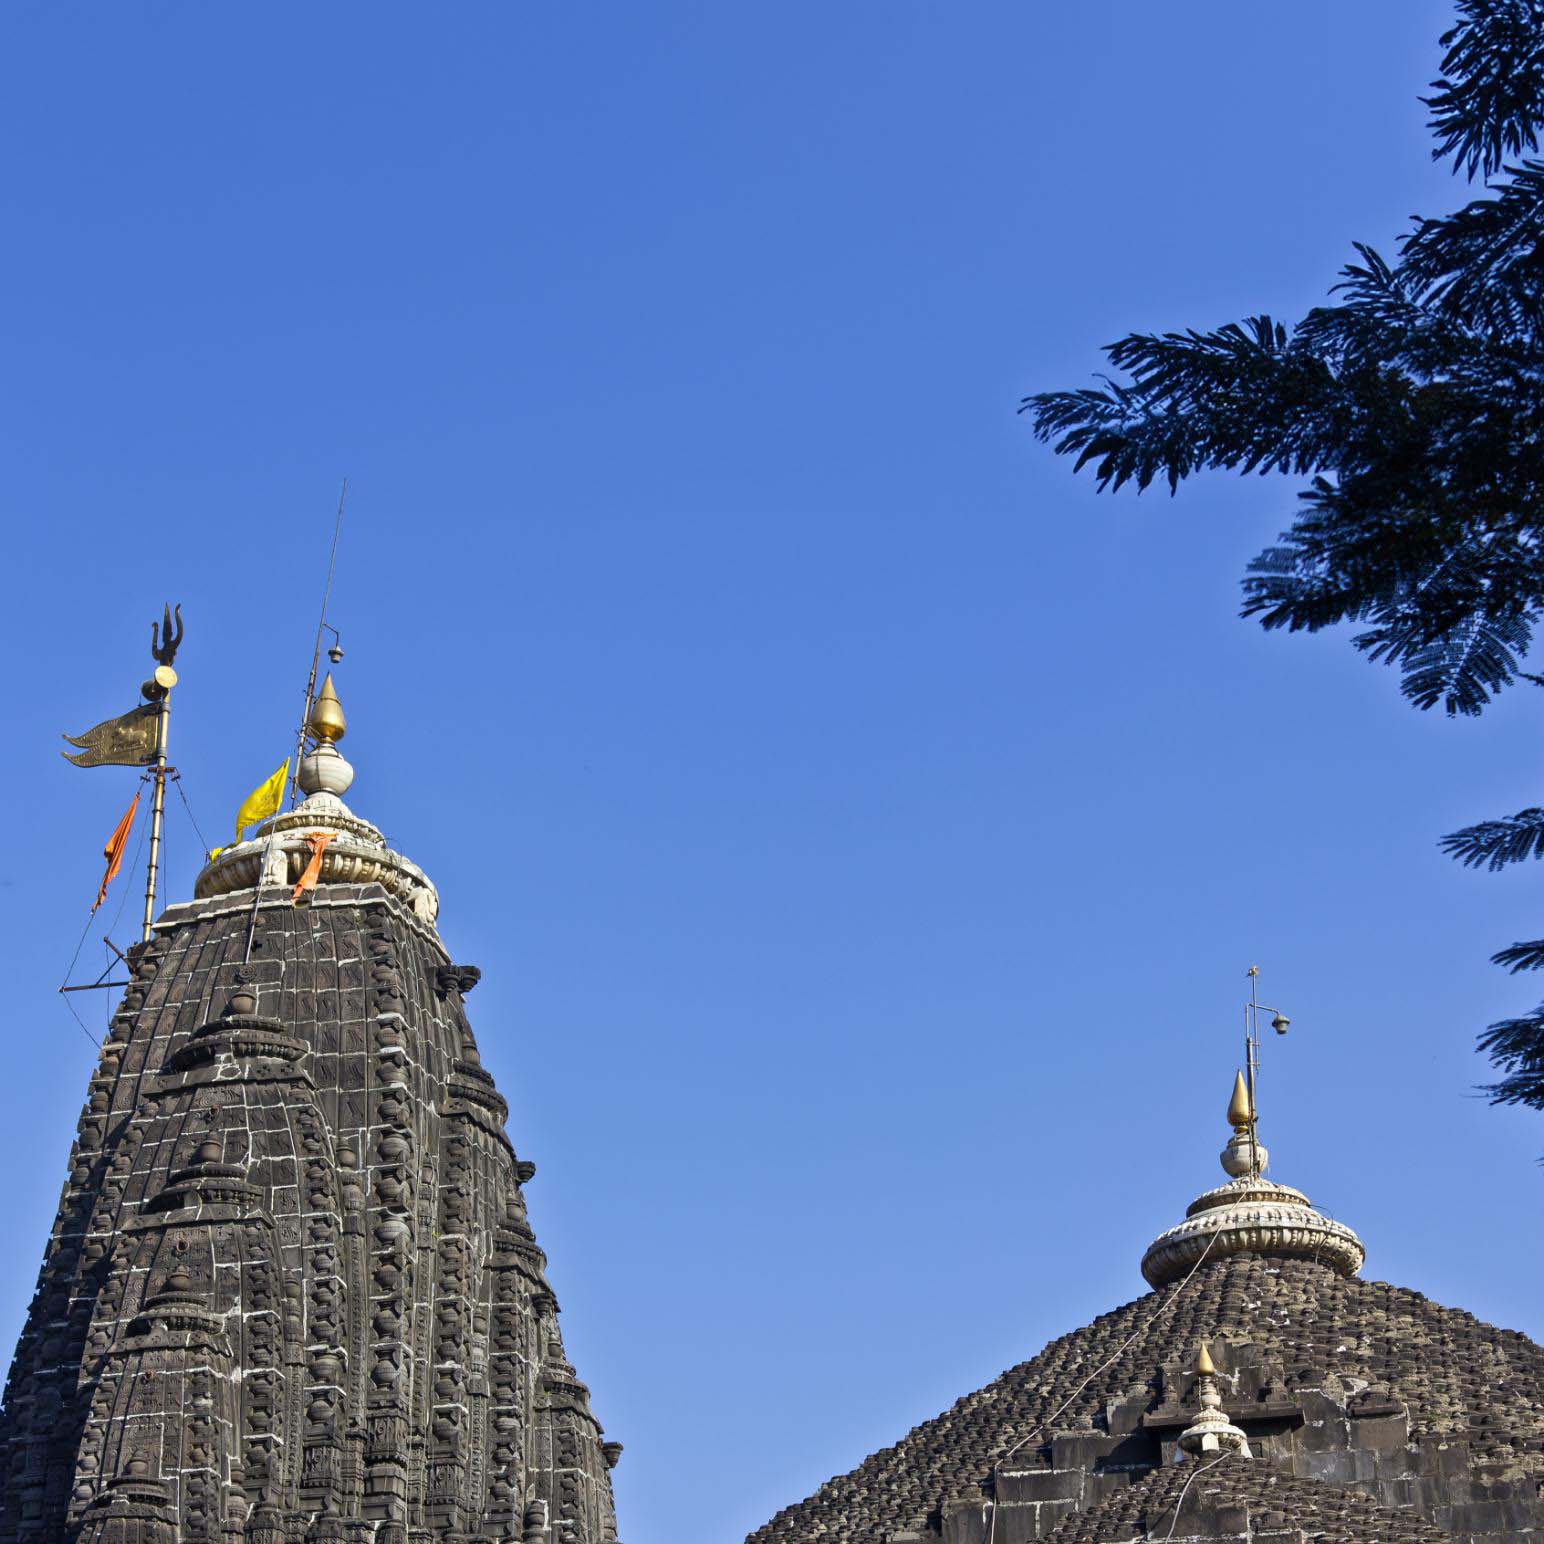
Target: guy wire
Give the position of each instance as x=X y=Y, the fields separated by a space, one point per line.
x=69 y=969
x=203 y=841
x=1194 y=1474
x=79 y=1020
x=257 y=888
x=1109 y=1361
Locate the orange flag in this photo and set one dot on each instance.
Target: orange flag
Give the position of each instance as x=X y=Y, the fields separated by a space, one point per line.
x=313 y=870
x=113 y=852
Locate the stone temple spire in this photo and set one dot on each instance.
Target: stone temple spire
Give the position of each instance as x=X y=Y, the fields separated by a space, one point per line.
x=1249 y=1214
x=293 y=1292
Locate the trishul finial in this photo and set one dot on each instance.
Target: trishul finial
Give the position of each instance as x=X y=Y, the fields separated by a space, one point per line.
x=164 y=642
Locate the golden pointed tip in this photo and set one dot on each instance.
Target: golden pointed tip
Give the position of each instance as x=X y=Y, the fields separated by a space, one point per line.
x=1204 y=1364
x=1239 y=1110
x=327 y=721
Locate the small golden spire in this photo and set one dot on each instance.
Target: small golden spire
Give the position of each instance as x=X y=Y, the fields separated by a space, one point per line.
x=1204 y=1365
x=327 y=722
x=1239 y=1112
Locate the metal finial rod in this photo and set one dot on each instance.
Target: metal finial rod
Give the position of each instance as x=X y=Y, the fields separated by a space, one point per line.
x=1279 y=1022
x=1252 y=1070
x=316 y=652
x=164 y=643
x=157 y=812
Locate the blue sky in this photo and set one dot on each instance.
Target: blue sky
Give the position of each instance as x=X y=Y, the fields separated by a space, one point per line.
x=862 y=826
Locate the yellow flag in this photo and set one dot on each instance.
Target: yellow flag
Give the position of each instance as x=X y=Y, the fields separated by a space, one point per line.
x=263 y=801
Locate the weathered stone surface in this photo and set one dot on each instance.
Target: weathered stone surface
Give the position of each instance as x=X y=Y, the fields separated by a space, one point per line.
x=292 y=1292
x=1352 y=1389
x=1237 y=1499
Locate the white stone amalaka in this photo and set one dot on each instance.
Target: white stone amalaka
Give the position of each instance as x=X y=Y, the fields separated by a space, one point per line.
x=325 y=771
x=1250 y=1215
x=1244 y=1155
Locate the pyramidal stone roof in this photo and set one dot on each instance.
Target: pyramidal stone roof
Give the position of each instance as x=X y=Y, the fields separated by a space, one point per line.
x=293 y=1292
x=1365 y=1410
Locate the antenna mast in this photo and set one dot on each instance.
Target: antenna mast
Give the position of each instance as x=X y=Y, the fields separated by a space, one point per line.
x=1252 y=1066
x=1279 y=1022
x=316 y=652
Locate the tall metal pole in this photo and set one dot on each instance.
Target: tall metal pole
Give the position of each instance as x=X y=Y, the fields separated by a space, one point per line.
x=157 y=809
x=1252 y=1067
x=316 y=653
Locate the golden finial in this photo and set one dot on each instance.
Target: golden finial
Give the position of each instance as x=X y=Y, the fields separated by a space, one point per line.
x=1204 y=1365
x=1239 y=1111
x=327 y=722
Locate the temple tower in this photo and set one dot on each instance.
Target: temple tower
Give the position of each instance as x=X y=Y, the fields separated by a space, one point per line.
x=293 y=1292
x=1261 y=1393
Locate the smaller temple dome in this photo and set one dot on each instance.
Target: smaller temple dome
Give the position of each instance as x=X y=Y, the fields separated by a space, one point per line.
x=1250 y=1214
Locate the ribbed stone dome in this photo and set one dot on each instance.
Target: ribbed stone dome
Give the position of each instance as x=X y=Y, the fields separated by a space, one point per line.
x=1349 y=1400
x=1397 y=1395
x=1262 y=1392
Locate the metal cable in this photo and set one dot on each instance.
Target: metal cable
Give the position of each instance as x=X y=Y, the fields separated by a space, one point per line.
x=1114 y=1356
x=1194 y=1474
x=79 y=1020
x=81 y=943
x=203 y=841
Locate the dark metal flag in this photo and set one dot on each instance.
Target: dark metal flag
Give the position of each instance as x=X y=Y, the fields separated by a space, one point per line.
x=126 y=741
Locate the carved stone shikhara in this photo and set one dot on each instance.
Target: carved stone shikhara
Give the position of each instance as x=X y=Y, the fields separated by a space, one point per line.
x=293 y=1293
